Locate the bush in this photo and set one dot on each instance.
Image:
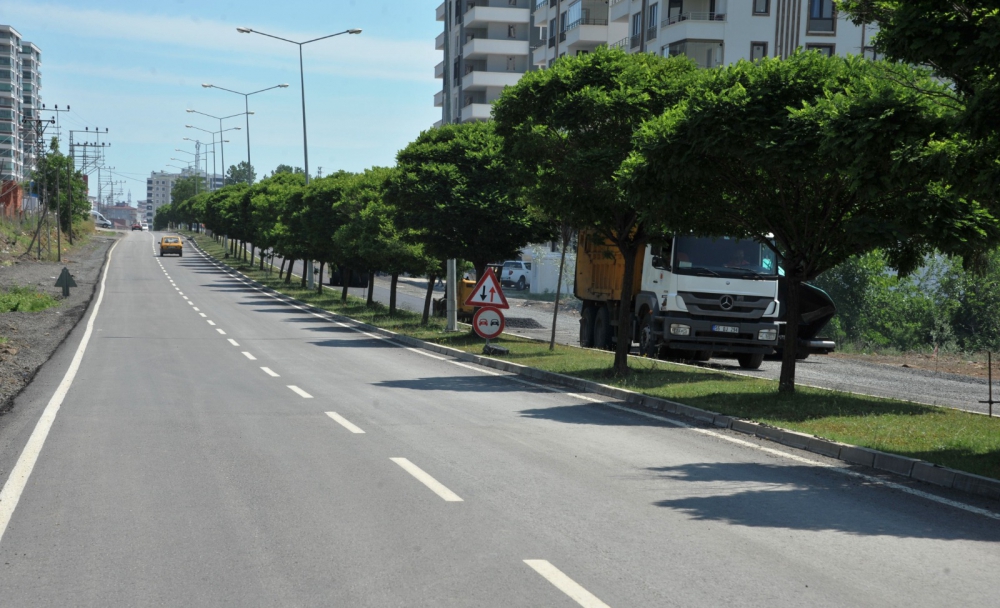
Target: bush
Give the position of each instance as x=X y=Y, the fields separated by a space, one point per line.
x=25 y=299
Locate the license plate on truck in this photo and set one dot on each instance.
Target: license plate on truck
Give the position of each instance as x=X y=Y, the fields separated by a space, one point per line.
x=726 y=329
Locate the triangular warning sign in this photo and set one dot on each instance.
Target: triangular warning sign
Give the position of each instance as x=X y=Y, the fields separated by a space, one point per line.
x=487 y=292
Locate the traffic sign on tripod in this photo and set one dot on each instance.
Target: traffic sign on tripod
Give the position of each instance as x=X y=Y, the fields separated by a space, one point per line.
x=487 y=292
x=488 y=323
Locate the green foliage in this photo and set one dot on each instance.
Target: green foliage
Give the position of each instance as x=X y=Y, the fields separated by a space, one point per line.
x=55 y=173
x=242 y=173
x=452 y=188
x=283 y=168
x=186 y=187
x=25 y=299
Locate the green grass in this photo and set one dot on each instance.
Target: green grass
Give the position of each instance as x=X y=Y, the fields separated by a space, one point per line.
x=25 y=299
x=952 y=438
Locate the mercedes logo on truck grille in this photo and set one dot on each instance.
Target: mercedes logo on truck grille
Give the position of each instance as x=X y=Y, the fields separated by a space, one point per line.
x=726 y=302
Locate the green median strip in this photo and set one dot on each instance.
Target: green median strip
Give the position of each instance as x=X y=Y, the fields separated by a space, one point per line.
x=951 y=438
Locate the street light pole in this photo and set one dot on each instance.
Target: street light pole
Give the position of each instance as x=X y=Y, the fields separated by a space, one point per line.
x=222 y=149
x=305 y=142
x=246 y=106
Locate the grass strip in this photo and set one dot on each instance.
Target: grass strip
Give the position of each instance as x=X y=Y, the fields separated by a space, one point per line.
x=25 y=299
x=944 y=436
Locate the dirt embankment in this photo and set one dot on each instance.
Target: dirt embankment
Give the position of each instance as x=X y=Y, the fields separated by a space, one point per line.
x=32 y=337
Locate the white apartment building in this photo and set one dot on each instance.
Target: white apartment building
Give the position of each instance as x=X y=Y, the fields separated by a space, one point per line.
x=159 y=185
x=20 y=88
x=486 y=45
x=487 y=42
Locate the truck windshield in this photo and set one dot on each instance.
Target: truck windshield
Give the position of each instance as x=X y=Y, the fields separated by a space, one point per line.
x=724 y=257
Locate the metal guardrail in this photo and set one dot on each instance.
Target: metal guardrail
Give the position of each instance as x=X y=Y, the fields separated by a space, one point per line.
x=579 y=22
x=694 y=16
x=621 y=44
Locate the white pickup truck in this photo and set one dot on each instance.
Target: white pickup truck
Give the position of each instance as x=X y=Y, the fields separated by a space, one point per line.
x=517 y=274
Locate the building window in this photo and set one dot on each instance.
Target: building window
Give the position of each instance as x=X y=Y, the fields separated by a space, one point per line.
x=821 y=17
x=636 y=30
x=758 y=50
x=705 y=53
x=761 y=7
x=512 y=31
x=826 y=49
x=654 y=10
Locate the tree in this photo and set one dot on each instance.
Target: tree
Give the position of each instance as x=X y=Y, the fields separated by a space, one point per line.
x=568 y=129
x=959 y=41
x=186 y=187
x=56 y=177
x=242 y=173
x=823 y=157
x=452 y=190
x=283 y=168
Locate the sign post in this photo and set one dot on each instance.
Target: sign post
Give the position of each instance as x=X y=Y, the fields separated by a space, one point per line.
x=488 y=322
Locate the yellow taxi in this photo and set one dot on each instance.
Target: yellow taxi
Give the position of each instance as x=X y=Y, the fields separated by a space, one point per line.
x=171 y=244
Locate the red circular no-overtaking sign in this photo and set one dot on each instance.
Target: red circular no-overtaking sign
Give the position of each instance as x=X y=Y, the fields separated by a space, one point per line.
x=488 y=322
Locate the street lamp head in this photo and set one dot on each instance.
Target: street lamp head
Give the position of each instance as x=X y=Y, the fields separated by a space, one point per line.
x=354 y=31
x=283 y=86
x=188 y=126
x=237 y=129
x=189 y=111
x=244 y=30
x=250 y=113
x=207 y=86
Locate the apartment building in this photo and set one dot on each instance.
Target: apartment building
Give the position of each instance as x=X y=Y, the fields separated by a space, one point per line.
x=159 y=184
x=20 y=88
x=488 y=46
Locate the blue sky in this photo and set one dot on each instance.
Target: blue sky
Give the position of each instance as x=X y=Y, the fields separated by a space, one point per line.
x=134 y=67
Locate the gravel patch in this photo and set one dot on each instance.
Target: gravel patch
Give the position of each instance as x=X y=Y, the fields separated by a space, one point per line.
x=32 y=337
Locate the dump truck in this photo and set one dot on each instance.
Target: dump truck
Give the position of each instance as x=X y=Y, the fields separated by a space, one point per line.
x=694 y=298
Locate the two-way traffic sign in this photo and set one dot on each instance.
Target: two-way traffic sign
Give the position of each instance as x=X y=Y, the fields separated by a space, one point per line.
x=487 y=292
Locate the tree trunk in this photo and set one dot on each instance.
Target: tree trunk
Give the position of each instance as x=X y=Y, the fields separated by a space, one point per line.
x=305 y=270
x=262 y=260
x=428 y=299
x=625 y=310
x=252 y=249
x=786 y=382
x=392 y=293
x=319 y=284
x=480 y=271
x=288 y=272
x=281 y=270
x=345 y=279
x=562 y=263
x=371 y=289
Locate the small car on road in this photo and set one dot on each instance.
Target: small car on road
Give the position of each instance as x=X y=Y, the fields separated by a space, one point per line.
x=137 y=226
x=171 y=244
x=516 y=274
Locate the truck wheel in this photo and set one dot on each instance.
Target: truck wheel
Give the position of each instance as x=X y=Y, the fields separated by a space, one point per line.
x=602 y=328
x=647 y=341
x=748 y=361
x=521 y=284
x=587 y=327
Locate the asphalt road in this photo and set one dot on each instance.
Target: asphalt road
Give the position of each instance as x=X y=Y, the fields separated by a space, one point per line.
x=180 y=472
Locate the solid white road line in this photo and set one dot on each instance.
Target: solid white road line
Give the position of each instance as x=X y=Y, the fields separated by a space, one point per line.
x=565 y=584
x=233 y=342
x=18 y=479
x=344 y=423
x=298 y=391
x=267 y=370
x=210 y=322
x=220 y=331
x=435 y=486
x=249 y=356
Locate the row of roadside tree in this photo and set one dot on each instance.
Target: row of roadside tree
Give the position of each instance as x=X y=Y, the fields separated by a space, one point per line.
x=825 y=158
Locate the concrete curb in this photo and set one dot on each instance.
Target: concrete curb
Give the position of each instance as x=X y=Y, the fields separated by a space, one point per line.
x=919 y=470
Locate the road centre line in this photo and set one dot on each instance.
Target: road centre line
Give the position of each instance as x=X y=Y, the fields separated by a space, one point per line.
x=10 y=495
x=298 y=391
x=249 y=356
x=185 y=297
x=344 y=423
x=565 y=584
x=220 y=331
x=210 y=322
x=190 y=303
x=203 y=315
x=233 y=342
x=196 y=309
x=435 y=486
x=267 y=370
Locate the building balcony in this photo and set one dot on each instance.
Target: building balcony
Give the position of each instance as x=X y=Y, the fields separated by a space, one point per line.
x=477 y=112
x=442 y=9
x=439 y=99
x=482 y=16
x=691 y=29
x=439 y=42
x=480 y=48
x=694 y=16
x=439 y=70
x=479 y=81
x=620 y=10
x=539 y=5
x=585 y=35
